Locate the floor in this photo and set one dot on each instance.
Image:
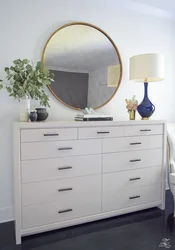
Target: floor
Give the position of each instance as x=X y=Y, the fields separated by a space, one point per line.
x=146 y=230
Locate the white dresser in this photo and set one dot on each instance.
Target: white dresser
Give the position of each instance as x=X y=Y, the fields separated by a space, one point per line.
x=67 y=173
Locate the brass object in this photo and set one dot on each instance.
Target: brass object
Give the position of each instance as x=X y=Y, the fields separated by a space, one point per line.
x=114 y=46
x=131 y=114
x=145 y=118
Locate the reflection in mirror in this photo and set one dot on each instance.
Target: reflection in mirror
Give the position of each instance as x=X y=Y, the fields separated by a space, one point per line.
x=86 y=65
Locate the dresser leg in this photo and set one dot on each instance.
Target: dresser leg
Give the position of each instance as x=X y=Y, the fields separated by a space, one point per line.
x=17 y=235
x=174 y=204
x=162 y=206
x=18 y=239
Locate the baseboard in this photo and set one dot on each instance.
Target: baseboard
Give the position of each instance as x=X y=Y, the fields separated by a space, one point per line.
x=6 y=214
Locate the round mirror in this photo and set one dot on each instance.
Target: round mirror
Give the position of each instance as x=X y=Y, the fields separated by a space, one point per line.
x=86 y=65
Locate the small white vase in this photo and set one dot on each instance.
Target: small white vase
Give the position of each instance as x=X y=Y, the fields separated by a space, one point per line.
x=24 y=109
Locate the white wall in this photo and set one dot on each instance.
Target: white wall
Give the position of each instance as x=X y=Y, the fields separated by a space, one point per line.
x=26 y=25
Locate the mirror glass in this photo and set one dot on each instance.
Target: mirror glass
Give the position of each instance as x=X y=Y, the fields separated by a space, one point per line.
x=86 y=64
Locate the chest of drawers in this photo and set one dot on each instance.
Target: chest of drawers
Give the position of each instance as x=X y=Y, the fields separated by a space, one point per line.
x=67 y=173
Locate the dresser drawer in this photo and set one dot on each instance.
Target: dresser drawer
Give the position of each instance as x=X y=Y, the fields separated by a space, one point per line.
x=144 y=130
x=39 y=150
x=64 y=191
x=31 y=135
x=113 y=162
x=59 y=168
x=132 y=143
x=100 y=132
x=86 y=200
x=54 y=212
x=119 y=199
x=112 y=182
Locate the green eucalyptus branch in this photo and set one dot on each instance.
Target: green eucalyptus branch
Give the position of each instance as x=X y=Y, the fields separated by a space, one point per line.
x=28 y=79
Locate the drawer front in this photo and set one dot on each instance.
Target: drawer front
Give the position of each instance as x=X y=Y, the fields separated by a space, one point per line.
x=39 y=150
x=135 y=196
x=112 y=182
x=59 y=168
x=100 y=132
x=64 y=191
x=113 y=162
x=31 y=135
x=144 y=130
x=132 y=143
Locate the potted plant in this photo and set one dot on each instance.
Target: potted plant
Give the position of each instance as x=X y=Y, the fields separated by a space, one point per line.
x=27 y=80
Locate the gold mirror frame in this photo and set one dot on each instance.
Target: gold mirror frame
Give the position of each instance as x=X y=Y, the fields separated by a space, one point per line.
x=110 y=39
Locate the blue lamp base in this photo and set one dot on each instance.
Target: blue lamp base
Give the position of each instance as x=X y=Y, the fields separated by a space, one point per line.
x=146 y=108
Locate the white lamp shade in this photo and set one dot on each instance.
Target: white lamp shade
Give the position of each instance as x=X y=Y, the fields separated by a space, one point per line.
x=113 y=75
x=147 y=68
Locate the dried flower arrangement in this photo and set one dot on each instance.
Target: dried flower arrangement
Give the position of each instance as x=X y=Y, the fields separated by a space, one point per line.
x=131 y=104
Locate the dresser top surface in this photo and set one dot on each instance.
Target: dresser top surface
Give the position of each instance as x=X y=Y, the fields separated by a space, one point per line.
x=63 y=124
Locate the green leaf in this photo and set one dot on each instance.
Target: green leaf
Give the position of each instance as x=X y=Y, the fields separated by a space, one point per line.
x=6 y=69
x=17 y=61
x=29 y=67
x=25 y=61
x=9 y=89
x=1 y=86
x=39 y=65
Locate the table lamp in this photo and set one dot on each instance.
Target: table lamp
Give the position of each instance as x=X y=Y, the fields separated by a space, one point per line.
x=146 y=68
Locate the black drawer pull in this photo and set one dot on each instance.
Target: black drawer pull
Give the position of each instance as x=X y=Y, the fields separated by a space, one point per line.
x=51 y=134
x=65 y=211
x=135 y=179
x=135 y=160
x=68 y=148
x=135 y=143
x=145 y=130
x=64 y=189
x=64 y=168
x=134 y=197
x=103 y=132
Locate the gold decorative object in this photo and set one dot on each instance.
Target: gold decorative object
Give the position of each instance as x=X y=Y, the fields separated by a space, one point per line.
x=83 y=48
x=131 y=114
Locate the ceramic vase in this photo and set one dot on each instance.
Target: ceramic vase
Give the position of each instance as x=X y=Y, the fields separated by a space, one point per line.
x=33 y=116
x=24 y=109
x=42 y=114
x=146 y=108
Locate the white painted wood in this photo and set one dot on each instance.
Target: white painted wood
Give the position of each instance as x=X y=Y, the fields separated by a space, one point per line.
x=77 y=124
x=113 y=182
x=17 y=183
x=121 y=161
x=132 y=143
x=85 y=219
x=32 y=135
x=84 y=200
x=36 y=176
x=144 y=130
x=164 y=165
x=41 y=150
x=50 y=191
x=59 y=168
x=114 y=199
x=100 y=132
